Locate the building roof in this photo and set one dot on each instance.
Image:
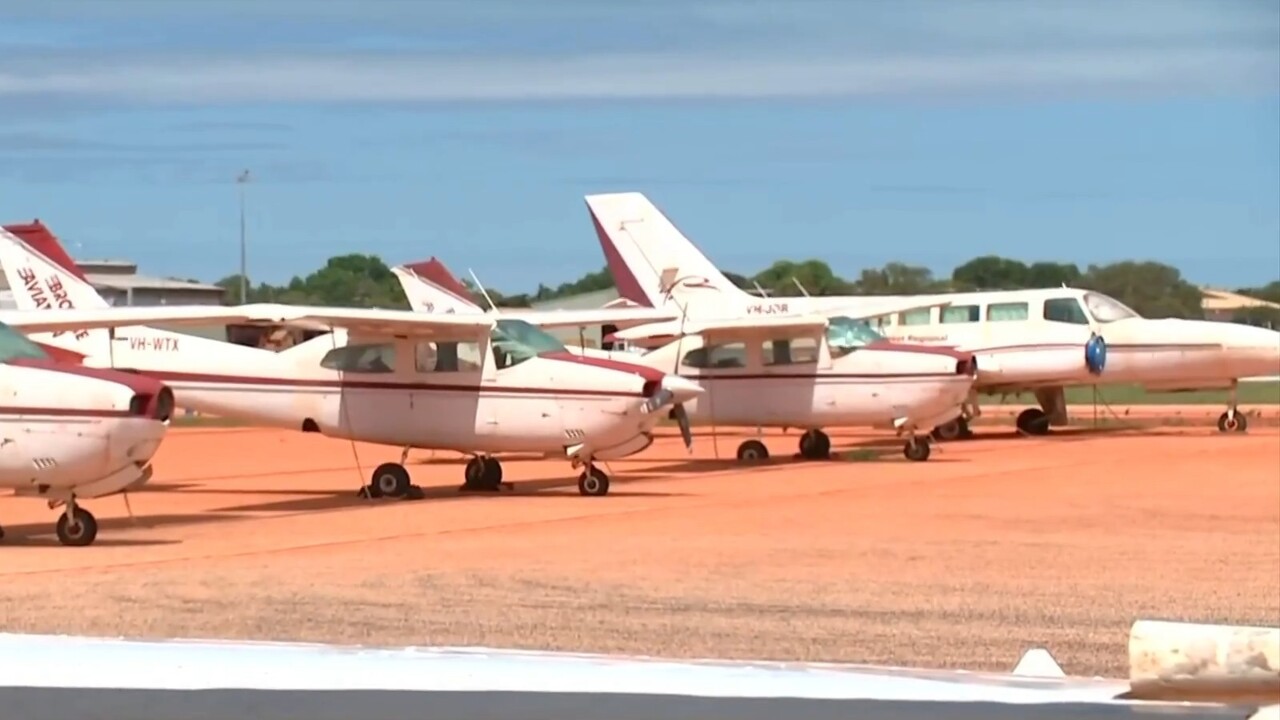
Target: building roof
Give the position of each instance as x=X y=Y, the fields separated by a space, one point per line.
x=1214 y=299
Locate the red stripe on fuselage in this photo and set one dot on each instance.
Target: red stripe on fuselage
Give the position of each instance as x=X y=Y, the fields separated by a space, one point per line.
x=335 y=384
x=138 y=383
x=85 y=413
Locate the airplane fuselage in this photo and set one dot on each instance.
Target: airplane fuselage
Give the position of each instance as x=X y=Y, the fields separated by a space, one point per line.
x=373 y=394
x=67 y=429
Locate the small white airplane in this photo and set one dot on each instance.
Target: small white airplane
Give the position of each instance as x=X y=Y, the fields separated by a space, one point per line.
x=1024 y=340
x=475 y=385
x=148 y=679
x=70 y=433
x=780 y=371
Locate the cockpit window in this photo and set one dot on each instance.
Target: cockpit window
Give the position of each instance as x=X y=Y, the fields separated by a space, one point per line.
x=515 y=341
x=1107 y=309
x=844 y=335
x=14 y=345
x=1065 y=310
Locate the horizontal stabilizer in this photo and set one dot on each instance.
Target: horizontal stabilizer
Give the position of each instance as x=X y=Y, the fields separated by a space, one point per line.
x=1037 y=662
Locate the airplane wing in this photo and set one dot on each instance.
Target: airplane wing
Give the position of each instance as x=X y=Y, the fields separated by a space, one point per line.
x=620 y=316
x=358 y=321
x=727 y=329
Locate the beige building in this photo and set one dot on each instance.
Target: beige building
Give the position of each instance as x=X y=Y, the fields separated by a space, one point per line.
x=1224 y=304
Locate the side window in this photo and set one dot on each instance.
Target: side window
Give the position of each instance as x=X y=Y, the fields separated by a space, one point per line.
x=447 y=357
x=919 y=316
x=793 y=351
x=881 y=321
x=731 y=355
x=1065 y=310
x=961 y=314
x=378 y=358
x=1001 y=312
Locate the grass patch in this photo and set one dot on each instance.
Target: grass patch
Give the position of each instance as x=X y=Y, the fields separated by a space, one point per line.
x=1251 y=393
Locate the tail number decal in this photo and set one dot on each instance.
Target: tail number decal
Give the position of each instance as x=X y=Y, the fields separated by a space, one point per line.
x=53 y=284
x=154 y=344
x=779 y=308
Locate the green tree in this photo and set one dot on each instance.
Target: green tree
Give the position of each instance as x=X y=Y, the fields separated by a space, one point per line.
x=780 y=278
x=1269 y=292
x=1153 y=289
x=897 y=278
x=990 y=272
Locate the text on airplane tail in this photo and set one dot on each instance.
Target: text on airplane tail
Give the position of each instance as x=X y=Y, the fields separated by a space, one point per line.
x=40 y=295
x=778 y=308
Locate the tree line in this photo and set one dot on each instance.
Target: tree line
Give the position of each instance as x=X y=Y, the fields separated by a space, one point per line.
x=1152 y=289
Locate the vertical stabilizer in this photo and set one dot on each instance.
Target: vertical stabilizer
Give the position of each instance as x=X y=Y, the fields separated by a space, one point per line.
x=650 y=259
x=431 y=288
x=42 y=276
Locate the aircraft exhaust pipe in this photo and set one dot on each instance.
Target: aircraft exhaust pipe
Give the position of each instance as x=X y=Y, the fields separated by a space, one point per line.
x=1176 y=661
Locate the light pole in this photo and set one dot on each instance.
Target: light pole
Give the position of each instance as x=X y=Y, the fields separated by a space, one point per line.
x=241 y=181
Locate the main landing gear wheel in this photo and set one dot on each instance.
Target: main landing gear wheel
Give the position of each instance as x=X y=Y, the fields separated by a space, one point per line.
x=77 y=527
x=482 y=474
x=593 y=482
x=815 y=445
x=917 y=449
x=1033 y=421
x=957 y=429
x=390 y=480
x=753 y=451
x=1233 y=422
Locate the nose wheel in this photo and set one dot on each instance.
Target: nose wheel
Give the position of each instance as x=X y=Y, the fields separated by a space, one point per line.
x=917 y=449
x=753 y=451
x=957 y=429
x=77 y=527
x=1233 y=421
x=593 y=482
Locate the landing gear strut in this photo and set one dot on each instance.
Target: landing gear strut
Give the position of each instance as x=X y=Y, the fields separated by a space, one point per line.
x=815 y=445
x=593 y=482
x=1233 y=420
x=483 y=474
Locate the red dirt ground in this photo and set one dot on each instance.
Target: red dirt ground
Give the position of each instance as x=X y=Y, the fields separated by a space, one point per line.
x=993 y=545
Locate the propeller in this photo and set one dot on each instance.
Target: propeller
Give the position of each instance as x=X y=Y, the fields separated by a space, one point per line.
x=678 y=412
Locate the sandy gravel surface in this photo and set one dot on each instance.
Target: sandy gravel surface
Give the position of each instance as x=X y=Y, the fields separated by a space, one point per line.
x=991 y=546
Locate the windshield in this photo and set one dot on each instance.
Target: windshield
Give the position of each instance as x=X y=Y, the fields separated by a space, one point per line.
x=1106 y=309
x=844 y=334
x=515 y=341
x=14 y=345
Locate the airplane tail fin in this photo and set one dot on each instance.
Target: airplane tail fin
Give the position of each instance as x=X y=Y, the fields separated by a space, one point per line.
x=649 y=258
x=430 y=287
x=43 y=276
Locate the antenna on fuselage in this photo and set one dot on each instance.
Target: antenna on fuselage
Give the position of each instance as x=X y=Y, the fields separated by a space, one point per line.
x=476 y=280
x=798 y=285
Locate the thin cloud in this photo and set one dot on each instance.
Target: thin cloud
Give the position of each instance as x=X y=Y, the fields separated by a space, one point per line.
x=398 y=78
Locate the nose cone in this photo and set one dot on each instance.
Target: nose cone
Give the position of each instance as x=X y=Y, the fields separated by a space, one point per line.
x=681 y=389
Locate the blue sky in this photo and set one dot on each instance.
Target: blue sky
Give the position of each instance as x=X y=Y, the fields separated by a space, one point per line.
x=856 y=131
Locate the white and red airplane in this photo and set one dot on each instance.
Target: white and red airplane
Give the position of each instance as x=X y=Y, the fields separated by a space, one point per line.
x=1024 y=340
x=779 y=371
x=471 y=384
x=69 y=432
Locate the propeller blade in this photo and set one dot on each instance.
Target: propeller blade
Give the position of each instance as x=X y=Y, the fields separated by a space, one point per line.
x=682 y=419
x=660 y=398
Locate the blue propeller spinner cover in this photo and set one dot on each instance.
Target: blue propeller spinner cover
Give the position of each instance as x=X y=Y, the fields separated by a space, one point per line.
x=1095 y=354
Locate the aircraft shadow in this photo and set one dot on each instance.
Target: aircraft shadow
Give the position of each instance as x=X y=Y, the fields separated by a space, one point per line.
x=42 y=534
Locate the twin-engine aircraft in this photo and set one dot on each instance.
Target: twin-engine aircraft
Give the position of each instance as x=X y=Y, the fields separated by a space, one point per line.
x=1024 y=340
x=476 y=385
